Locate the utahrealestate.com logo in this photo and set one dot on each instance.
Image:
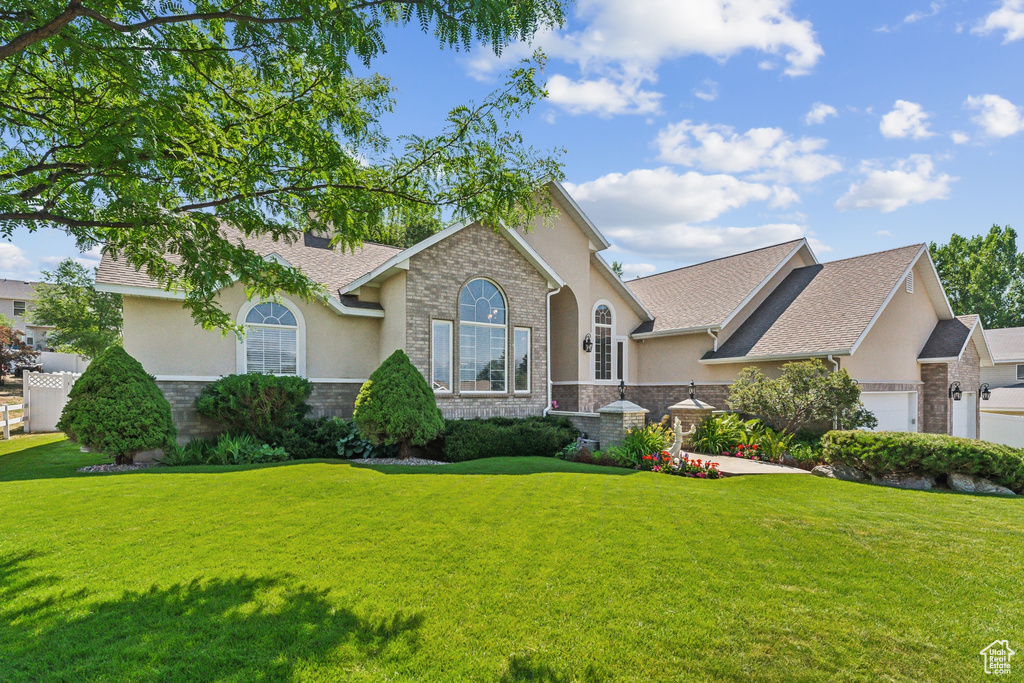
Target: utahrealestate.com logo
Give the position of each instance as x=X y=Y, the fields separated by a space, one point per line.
x=997 y=657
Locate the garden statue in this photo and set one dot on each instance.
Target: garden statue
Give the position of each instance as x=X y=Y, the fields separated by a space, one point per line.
x=677 y=443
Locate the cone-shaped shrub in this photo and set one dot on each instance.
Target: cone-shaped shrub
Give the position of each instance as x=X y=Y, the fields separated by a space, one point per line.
x=396 y=406
x=116 y=408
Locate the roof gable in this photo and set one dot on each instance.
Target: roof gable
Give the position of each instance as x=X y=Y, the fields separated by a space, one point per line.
x=821 y=310
x=710 y=294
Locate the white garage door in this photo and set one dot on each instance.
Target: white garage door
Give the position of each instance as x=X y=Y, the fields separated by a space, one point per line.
x=896 y=411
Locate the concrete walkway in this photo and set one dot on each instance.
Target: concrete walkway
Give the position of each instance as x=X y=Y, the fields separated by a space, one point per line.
x=732 y=467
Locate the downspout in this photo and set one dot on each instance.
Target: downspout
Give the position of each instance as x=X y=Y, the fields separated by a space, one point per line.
x=547 y=359
x=715 y=337
x=835 y=368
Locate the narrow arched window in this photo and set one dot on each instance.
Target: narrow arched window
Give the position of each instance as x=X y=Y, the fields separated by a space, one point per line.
x=602 y=343
x=483 y=330
x=271 y=340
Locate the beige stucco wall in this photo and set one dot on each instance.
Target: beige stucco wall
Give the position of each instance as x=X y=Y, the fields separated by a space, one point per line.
x=392 y=297
x=675 y=360
x=889 y=352
x=566 y=248
x=162 y=336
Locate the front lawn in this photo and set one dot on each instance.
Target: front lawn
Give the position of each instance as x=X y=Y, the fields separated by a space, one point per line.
x=497 y=570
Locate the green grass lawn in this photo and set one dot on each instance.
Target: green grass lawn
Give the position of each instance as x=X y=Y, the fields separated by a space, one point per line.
x=498 y=570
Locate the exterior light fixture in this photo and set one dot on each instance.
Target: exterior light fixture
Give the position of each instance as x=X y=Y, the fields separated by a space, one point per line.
x=622 y=389
x=955 y=392
x=985 y=392
x=588 y=343
x=692 y=389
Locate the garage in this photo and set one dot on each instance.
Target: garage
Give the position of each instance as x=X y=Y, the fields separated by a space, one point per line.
x=896 y=411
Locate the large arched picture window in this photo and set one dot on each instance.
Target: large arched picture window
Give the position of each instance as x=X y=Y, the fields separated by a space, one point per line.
x=271 y=340
x=482 y=338
x=602 y=342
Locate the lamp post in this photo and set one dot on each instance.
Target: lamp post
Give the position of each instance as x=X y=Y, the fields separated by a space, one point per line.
x=692 y=389
x=622 y=389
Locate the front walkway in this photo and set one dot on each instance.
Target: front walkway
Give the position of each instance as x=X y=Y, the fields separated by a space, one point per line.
x=732 y=467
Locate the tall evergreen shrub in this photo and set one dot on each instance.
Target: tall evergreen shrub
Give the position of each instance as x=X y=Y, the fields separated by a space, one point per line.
x=116 y=408
x=397 y=407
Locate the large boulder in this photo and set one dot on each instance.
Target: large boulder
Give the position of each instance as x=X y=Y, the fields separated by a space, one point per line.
x=841 y=472
x=968 y=483
x=914 y=482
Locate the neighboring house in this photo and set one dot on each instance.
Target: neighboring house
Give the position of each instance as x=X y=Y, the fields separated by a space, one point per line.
x=1006 y=382
x=504 y=323
x=16 y=298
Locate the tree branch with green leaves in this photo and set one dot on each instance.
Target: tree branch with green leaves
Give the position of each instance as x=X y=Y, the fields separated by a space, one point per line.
x=147 y=127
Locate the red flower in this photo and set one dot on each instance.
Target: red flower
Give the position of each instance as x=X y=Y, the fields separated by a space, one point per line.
x=648 y=457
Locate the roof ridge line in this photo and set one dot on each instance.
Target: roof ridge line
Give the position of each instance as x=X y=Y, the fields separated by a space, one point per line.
x=876 y=253
x=720 y=258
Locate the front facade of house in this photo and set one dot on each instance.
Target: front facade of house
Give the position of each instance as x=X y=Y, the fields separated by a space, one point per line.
x=514 y=322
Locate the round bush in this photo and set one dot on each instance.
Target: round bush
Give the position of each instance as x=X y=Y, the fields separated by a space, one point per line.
x=396 y=406
x=254 y=403
x=116 y=408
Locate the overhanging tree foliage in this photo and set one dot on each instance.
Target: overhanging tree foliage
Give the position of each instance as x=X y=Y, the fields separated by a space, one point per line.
x=85 y=321
x=144 y=125
x=983 y=274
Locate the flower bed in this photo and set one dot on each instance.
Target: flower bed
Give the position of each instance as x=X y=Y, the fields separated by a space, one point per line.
x=683 y=466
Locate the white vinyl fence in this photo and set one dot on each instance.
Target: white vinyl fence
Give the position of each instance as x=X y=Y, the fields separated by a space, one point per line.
x=61 y=362
x=7 y=421
x=1004 y=429
x=44 y=397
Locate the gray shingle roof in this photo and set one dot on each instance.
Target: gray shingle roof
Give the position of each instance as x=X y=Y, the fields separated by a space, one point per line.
x=17 y=289
x=948 y=338
x=704 y=295
x=1006 y=344
x=1009 y=398
x=333 y=268
x=820 y=309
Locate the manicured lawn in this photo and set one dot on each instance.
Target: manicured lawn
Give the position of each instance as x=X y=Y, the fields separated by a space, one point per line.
x=507 y=570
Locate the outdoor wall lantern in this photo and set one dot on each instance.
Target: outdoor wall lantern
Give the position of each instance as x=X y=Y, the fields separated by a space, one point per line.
x=955 y=392
x=985 y=392
x=588 y=343
x=692 y=389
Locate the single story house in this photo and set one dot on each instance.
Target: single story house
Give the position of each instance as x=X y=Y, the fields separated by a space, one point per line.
x=514 y=321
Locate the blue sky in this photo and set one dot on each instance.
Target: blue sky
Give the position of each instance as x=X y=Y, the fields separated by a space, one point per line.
x=694 y=130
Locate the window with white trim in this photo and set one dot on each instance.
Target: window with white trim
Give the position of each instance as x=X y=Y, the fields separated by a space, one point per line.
x=521 y=344
x=441 y=356
x=271 y=340
x=483 y=338
x=19 y=309
x=621 y=351
x=602 y=343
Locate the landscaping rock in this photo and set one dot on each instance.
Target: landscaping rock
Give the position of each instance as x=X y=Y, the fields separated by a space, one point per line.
x=914 y=482
x=397 y=461
x=841 y=472
x=968 y=483
x=99 y=469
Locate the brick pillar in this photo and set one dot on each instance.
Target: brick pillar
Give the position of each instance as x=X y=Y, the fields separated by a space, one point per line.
x=616 y=419
x=690 y=412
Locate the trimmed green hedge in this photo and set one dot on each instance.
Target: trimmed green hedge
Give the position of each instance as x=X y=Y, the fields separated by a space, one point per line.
x=254 y=403
x=903 y=452
x=503 y=437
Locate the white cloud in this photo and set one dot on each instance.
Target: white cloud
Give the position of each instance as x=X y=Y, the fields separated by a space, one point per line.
x=766 y=153
x=13 y=262
x=1008 y=18
x=632 y=270
x=660 y=196
x=707 y=91
x=652 y=212
x=909 y=181
x=907 y=119
x=89 y=259
x=602 y=96
x=818 y=113
x=884 y=233
x=913 y=17
x=625 y=42
x=695 y=243
x=999 y=117
x=959 y=138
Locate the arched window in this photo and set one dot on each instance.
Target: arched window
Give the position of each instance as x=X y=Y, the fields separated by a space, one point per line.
x=482 y=338
x=602 y=342
x=271 y=339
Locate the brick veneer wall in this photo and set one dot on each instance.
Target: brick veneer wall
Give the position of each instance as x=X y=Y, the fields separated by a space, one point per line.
x=935 y=416
x=327 y=399
x=435 y=279
x=967 y=371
